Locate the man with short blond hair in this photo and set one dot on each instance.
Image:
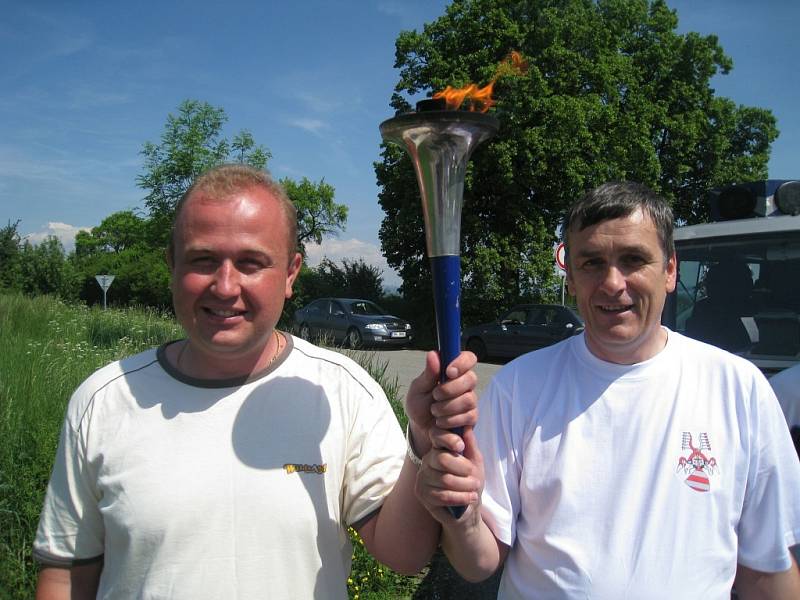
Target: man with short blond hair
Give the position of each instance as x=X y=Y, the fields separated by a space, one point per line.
x=230 y=464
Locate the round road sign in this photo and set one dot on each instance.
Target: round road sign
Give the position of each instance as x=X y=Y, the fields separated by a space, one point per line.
x=560 y=257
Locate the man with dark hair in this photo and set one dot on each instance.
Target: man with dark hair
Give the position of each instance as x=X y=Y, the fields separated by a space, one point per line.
x=628 y=461
x=230 y=464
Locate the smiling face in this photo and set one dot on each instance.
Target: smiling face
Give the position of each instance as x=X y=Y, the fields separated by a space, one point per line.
x=231 y=272
x=620 y=277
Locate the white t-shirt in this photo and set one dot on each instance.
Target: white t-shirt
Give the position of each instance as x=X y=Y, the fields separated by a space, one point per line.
x=642 y=481
x=243 y=490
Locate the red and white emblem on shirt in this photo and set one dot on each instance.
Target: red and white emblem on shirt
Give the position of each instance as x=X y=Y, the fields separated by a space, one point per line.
x=697 y=464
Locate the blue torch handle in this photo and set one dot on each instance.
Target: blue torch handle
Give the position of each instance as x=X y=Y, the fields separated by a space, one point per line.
x=446 y=299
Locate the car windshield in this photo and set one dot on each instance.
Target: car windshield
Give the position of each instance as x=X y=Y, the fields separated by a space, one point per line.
x=362 y=307
x=742 y=294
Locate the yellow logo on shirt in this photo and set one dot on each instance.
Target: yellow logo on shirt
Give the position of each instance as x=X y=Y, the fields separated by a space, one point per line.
x=300 y=468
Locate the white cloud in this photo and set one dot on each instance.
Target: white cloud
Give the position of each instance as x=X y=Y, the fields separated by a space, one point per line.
x=58 y=35
x=13 y=165
x=314 y=126
x=86 y=97
x=391 y=9
x=63 y=231
x=71 y=176
x=68 y=45
x=352 y=249
x=321 y=103
x=288 y=170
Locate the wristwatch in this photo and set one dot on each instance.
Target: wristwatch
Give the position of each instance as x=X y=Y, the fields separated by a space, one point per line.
x=410 y=452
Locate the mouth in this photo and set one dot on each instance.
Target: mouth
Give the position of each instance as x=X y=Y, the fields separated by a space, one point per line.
x=220 y=313
x=615 y=309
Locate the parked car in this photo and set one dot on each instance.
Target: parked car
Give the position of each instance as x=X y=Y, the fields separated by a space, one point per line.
x=524 y=328
x=351 y=322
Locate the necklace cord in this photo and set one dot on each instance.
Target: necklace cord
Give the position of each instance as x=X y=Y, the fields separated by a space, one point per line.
x=278 y=348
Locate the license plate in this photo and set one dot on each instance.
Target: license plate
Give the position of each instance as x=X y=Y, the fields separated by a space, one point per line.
x=398 y=334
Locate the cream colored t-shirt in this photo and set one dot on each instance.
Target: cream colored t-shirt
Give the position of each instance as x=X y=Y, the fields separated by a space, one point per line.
x=242 y=490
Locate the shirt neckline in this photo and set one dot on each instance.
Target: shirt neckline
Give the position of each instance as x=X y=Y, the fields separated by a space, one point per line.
x=609 y=370
x=161 y=356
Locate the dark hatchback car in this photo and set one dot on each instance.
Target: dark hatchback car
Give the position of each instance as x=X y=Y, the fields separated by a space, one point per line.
x=524 y=328
x=351 y=322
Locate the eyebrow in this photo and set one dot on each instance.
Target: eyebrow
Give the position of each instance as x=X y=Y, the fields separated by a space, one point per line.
x=630 y=249
x=245 y=252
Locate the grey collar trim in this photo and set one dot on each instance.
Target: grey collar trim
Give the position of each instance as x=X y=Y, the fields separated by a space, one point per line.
x=161 y=355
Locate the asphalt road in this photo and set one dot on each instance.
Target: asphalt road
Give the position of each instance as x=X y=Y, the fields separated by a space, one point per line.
x=407 y=364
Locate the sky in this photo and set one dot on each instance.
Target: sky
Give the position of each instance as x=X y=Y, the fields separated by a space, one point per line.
x=84 y=84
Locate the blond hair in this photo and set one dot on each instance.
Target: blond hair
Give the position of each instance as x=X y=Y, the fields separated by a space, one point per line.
x=222 y=181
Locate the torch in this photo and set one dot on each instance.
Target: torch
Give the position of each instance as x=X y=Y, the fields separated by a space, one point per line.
x=440 y=142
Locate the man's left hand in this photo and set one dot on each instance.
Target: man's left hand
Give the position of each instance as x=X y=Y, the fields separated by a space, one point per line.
x=446 y=405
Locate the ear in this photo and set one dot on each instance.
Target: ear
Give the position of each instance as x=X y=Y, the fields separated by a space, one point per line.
x=672 y=273
x=292 y=272
x=569 y=281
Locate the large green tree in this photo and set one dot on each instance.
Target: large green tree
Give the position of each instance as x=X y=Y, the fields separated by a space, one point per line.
x=131 y=246
x=611 y=91
x=46 y=270
x=118 y=231
x=318 y=214
x=193 y=142
x=35 y=269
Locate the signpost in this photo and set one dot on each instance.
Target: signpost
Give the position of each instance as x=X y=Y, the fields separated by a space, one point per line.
x=105 y=282
x=562 y=265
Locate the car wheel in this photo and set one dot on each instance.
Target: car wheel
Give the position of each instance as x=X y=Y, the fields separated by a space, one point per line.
x=477 y=347
x=353 y=338
x=305 y=331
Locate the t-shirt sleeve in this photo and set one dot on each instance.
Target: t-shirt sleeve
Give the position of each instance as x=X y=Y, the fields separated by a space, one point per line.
x=70 y=526
x=770 y=520
x=375 y=454
x=495 y=435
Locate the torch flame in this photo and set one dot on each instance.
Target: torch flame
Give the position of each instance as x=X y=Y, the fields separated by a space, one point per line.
x=480 y=99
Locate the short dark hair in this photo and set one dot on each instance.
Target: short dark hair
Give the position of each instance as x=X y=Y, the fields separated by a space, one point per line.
x=618 y=199
x=222 y=181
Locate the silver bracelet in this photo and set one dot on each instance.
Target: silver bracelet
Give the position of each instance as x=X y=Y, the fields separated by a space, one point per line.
x=410 y=452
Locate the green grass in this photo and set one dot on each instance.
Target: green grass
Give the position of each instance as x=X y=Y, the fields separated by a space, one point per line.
x=48 y=348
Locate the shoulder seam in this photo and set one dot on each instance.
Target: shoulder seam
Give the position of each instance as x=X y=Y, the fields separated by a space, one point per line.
x=341 y=366
x=106 y=384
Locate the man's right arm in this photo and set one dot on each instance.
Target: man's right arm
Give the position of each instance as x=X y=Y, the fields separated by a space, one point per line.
x=448 y=479
x=79 y=582
x=471 y=547
x=757 y=585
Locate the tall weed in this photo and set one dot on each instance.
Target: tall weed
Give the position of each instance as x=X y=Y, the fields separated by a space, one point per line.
x=47 y=348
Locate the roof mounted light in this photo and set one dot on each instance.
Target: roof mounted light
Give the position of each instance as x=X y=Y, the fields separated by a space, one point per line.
x=787 y=198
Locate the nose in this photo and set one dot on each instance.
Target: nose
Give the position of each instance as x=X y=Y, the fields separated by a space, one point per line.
x=613 y=280
x=226 y=280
